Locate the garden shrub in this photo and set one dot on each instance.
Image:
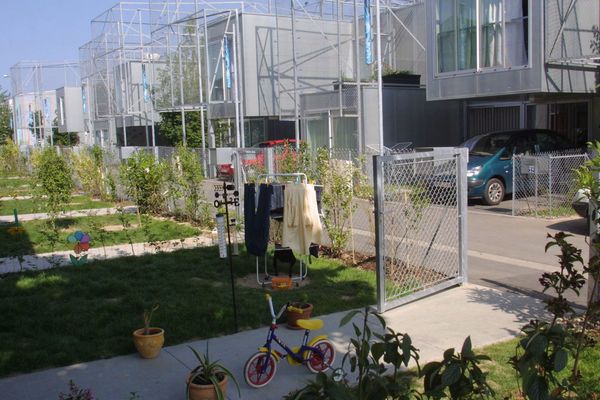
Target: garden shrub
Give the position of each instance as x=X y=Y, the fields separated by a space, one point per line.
x=189 y=177
x=336 y=177
x=11 y=160
x=89 y=171
x=144 y=179
x=54 y=182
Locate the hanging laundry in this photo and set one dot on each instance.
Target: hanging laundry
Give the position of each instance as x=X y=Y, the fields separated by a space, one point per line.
x=256 y=218
x=301 y=223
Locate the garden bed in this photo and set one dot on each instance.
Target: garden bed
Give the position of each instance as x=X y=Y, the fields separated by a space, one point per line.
x=75 y=314
x=31 y=206
x=36 y=239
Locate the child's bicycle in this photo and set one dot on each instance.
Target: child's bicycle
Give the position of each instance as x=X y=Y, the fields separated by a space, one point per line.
x=317 y=354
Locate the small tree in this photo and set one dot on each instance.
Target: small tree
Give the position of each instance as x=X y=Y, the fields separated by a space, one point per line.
x=53 y=180
x=189 y=176
x=11 y=160
x=144 y=179
x=336 y=177
x=6 y=130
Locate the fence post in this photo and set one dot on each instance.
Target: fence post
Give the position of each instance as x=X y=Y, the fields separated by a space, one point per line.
x=461 y=179
x=378 y=190
x=536 y=182
x=514 y=184
x=550 y=186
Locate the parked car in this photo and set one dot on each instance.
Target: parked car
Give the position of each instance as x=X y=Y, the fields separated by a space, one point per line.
x=489 y=172
x=581 y=202
x=226 y=171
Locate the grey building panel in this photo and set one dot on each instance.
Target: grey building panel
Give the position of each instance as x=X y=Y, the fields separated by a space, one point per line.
x=69 y=109
x=558 y=34
x=268 y=56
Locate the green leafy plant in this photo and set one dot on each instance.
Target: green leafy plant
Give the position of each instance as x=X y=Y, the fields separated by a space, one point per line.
x=53 y=179
x=189 y=176
x=11 y=160
x=543 y=353
x=143 y=179
x=457 y=376
x=380 y=361
x=209 y=372
x=336 y=177
x=126 y=227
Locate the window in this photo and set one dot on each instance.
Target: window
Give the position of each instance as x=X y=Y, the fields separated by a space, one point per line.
x=501 y=27
x=456 y=35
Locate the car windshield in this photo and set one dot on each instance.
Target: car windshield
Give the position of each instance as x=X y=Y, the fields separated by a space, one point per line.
x=487 y=145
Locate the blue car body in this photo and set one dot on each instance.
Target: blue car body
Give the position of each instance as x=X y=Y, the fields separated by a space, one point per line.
x=490 y=157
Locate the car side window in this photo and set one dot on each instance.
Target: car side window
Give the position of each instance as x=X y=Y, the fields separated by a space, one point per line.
x=523 y=144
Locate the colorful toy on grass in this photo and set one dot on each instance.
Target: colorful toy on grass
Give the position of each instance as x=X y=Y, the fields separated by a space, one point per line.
x=82 y=245
x=317 y=354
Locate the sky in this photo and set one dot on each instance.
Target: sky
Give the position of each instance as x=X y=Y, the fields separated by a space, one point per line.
x=44 y=30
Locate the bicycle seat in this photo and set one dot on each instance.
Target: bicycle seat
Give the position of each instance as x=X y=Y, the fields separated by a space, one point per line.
x=310 y=324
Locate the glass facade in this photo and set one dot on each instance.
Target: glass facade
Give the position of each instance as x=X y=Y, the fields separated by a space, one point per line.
x=500 y=26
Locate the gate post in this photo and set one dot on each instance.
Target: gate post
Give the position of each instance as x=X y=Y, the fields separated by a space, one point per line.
x=379 y=197
x=461 y=177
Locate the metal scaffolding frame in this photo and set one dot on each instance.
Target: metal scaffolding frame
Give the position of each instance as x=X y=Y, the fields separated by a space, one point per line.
x=572 y=35
x=198 y=67
x=190 y=53
x=33 y=90
x=116 y=76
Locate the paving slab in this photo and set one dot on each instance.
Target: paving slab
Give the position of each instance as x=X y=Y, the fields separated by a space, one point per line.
x=434 y=323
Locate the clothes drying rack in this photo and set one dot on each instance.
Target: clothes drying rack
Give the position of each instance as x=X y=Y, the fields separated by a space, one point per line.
x=267 y=178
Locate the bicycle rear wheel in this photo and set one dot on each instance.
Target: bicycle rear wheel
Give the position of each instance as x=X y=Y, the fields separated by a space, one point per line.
x=320 y=362
x=259 y=371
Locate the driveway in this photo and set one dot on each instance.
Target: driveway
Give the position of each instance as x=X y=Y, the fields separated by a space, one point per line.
x=507 y=252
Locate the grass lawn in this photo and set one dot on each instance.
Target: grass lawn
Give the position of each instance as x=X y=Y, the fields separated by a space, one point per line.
x=19 y=186
x=29 y=206
x=503 y=380
x=35 y=240
x=502 y=376
x=75 y=314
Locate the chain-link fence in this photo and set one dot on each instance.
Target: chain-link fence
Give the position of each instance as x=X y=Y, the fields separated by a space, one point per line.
x=545 y=185
x=420 y=204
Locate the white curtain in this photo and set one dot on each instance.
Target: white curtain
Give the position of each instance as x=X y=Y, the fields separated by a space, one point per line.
x=491 y=33
x=516 y=33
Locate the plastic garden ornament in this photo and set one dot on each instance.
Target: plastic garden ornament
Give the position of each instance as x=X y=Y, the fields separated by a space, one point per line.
x=81 y=240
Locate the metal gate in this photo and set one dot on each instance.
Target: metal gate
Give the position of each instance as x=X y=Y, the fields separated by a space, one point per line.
x=420 y=222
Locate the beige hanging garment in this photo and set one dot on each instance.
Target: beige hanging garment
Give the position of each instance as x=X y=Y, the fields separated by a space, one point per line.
x=301 y=223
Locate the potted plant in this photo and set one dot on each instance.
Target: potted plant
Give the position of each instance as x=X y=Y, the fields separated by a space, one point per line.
x=208 y=380
x=149 y=340
x=301 y=309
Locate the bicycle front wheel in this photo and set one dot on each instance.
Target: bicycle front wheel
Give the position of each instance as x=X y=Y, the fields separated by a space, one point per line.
x=260 y=369
x=320 y=362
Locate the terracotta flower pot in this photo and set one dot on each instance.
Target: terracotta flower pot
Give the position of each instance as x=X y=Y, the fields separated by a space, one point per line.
x=293 y=316
x=206 y=392
x=149 y=345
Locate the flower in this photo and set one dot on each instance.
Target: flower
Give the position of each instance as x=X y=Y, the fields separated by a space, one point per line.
x=81 y=241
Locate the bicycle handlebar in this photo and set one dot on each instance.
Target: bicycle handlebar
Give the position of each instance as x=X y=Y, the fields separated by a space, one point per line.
x=272 y=310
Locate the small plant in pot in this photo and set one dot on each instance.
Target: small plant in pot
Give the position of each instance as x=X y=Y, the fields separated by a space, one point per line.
x=209 y=379
x=149 y=340
x=301 y=309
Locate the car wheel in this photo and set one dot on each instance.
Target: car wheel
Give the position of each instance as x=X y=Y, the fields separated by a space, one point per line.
x=494 y=192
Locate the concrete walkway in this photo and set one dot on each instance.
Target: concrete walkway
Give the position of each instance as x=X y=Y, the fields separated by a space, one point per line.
x=42 y=261
x=435 y=324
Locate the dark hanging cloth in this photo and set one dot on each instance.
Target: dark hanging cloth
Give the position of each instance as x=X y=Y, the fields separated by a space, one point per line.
x=283 y=255
x=256 y=218
x=277 y=201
